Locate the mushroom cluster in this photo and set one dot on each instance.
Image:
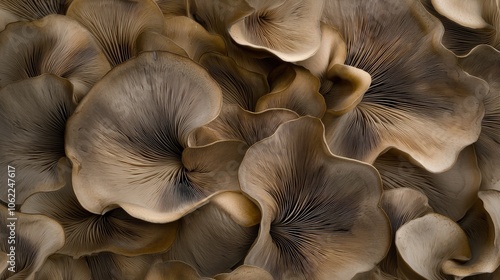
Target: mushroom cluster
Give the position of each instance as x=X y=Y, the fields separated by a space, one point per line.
x=249 y=139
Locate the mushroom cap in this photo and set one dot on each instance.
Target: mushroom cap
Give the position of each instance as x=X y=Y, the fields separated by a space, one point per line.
x=61 y=267
x=320 y=214
x=465 y=13
x=117 y=34
x=199 y=241
x=247 y=272
x=484 y=62
x=429 y=245
x=288 y=29
x=172 y=270
x=419 y=101
x=239 y=86
x=29 y=10
x=450 y=193
x=128 y=140
x=36 y=238
x=54 y=44
x=192 y=37
x=33 y=115
x=114 y=266
x=293 y=88
x=234 y=123
x=87 y=233
x=152 y=41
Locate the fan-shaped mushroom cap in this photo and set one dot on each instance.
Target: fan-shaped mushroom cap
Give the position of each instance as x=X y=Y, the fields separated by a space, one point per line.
x=374 y=274
x=116 y=33
x=419 y=101
x=247 y=272
x=28 y=10
x=484 y=62
x=234 y=123
x=239 y=86
x=88 y=233
x=61 y=267
x=33 y=116
x=401 y=206
x=54 y=44
x=288 y=29
x=451 y=193
x=482 y=226
x=173 y=270
x=429 y=245
x=320 y=214
x=199 y=241
x=332 y=50
x=113 y=266
x=128 y=140
x=192 y=37
x=36 y=237
x=294 y=88
x=466 y=13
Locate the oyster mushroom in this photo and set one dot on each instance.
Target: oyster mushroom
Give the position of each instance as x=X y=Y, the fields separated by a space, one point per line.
x=117 y=34
x=320 y=214
x=239 y=86
x=419 y=101
x=429 y=246
x=234 y=123
x=484 y=62
x=199 y=241
x=61 y=267
x=29 y=10
x=192 y=37
x=128 y=140
x=294 y=88
x=450 y=193
x=288 y=29
x=87 y=233
x=54 y=44
x=401 y=206
x=36 y=237
x=33 y=142
x=113 y=266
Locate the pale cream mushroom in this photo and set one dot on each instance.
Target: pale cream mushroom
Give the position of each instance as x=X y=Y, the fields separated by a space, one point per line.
x=320 y=214
x=33 y=115
x=54 y=44
x=115 y=32
x=430 y=246
x=128 y=140
x=288 y=29
x=419 y=101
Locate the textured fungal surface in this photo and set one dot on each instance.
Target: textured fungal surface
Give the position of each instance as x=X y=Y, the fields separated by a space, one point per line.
x=249 y=139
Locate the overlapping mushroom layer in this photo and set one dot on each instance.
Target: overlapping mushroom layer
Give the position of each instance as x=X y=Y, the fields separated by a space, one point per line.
x=249 y=139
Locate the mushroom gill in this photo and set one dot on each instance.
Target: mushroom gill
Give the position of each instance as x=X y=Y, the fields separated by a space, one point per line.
x=234 y=123
x=484 y=62
x=54 y=44
x=87 y=233
x=320 y=214
x=247 y=272
x=419 y=101
x=199 y=242
x=29 y=10
x=116 y=33
x=33 y=115
x=61 y=267
x=295 y=88
x=172 y=270
x=128 y=140
x=36 y=237
x=288 y=29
